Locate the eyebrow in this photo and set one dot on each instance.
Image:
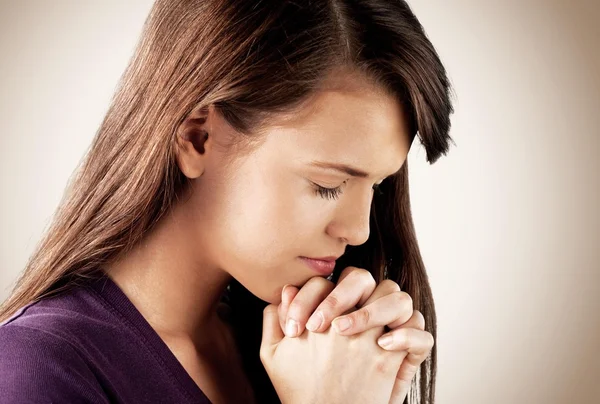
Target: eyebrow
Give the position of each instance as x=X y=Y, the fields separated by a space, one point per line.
x=346 y=169
x=352 y=171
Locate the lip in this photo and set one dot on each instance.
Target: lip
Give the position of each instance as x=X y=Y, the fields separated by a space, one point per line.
x=323 y=266
x=330 y=258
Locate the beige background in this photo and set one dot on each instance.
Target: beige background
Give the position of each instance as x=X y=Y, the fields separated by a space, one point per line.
x=508 y=222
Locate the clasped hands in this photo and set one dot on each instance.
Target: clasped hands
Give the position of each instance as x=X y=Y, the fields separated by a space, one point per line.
x=357 y=304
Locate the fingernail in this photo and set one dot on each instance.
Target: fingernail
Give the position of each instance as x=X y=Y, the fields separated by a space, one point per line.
x=385 y=341
x=315 y=321
x=291 y=328
x=342 y=324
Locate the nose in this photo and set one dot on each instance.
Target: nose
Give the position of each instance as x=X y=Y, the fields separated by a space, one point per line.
x=351 y=221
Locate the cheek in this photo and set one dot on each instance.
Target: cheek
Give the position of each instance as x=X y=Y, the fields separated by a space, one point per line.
x=258 y=252
x=248 y=234
x=258 y=226
x=266 y=216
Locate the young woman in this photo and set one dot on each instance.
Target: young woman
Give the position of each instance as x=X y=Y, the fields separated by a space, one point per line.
x=250 y=145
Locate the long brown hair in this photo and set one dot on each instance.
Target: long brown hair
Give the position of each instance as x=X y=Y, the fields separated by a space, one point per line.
x=251 y=60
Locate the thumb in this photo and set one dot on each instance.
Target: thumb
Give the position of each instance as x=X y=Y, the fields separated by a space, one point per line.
x=271 y=333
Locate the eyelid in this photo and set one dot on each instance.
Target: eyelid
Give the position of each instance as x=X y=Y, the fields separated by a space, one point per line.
x=335 y=192
x=376 y=184
x=328 y=193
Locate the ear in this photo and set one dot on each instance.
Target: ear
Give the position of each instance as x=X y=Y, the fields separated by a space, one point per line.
x=194 y=142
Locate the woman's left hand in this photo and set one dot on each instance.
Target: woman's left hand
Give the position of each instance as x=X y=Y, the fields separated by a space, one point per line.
x=358 y=303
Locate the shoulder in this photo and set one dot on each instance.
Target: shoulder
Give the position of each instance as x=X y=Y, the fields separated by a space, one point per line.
x=39 y=364
x=77 y=318
x=25 y=347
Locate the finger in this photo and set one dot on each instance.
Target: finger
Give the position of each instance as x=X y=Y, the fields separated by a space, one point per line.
x=287 y=295
x=355 y=287
x=399 y=391
x=304 y=304
x=410 y=365
x=416 y=321
x=271 y=332
x=352 y=271
x=408 y=369
x=395 y=307
x=416 y=342
x=345 y=272
x=385 y=287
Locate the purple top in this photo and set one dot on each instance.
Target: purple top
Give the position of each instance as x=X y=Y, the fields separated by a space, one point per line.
x=89 y=345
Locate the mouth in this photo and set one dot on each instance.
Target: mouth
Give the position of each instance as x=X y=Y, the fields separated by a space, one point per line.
x=322 y=266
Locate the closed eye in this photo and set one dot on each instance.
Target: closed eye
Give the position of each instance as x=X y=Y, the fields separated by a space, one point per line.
x=334 y=193
x=329 y=193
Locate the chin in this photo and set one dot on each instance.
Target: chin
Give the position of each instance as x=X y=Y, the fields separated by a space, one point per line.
x=271 y=297
x=268 y=289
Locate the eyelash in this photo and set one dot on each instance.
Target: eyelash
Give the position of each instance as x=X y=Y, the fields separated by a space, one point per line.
x=334 y=193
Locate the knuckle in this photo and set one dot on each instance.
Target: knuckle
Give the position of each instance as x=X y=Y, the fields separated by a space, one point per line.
x=406 y=299
x=399 y=299
x=382 y=364
x=419 y=319
x=403 y=303
x=362 y=316
x=331 y=302
x=369 y=281
x=430 y=340
x=365 y=277
x=389 y=285
x=347 y=271
x=362 y=272
x=317 y=280
x=270 y=308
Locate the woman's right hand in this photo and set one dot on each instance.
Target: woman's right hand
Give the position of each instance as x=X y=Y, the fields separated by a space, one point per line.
x=327 y=367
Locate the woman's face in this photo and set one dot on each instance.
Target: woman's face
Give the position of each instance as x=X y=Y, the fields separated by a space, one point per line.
x=256 y=218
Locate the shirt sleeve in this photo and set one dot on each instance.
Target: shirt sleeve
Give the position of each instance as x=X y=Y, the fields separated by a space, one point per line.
x=39 y=367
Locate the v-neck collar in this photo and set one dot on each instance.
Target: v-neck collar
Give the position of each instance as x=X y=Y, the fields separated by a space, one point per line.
x=110 y=292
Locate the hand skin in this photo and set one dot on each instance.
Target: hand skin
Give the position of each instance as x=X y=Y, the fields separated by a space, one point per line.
x=327 y=367
x=356 y=298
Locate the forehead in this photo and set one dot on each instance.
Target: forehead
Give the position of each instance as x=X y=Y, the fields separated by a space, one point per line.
x=356 y=125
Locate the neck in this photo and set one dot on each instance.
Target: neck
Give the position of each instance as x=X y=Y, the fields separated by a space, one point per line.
x=175 y=290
